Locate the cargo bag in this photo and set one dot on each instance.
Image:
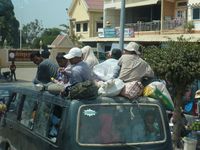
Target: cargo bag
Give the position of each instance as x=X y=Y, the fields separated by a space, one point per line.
x=83 y=90
x=159 y=91
x=111 y=87
x=132 y=90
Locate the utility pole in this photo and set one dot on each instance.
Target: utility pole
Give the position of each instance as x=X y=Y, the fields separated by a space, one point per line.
x=162 y=16
x=122 y=22
x=20 y=37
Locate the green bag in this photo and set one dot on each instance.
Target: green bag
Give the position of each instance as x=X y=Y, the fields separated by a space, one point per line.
x=83 y=90
x=154 y=92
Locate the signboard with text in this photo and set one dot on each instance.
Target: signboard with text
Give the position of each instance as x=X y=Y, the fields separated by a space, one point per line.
x=19 y=55
x=115 y=32
x=109 y=32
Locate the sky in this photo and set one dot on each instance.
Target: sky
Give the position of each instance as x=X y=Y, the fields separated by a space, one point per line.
x=51 y=13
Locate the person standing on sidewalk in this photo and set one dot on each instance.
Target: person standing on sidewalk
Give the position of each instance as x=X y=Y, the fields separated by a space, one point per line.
x=12 y=70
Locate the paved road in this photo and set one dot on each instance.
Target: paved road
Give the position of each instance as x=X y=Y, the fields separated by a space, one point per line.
x=26 y=74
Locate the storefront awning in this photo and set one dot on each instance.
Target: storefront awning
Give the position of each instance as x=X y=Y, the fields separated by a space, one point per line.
x=141 y=3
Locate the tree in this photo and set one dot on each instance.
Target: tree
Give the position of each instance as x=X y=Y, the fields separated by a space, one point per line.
x=74 y=37
x=4 y=6
x=66 y=29
x=9 y=26
x=47 y=37
x=31 y=31
x=178 y=63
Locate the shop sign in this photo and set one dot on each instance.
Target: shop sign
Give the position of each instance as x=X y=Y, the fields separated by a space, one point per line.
x=19 y=55
x=115 y=32
x=109 y=32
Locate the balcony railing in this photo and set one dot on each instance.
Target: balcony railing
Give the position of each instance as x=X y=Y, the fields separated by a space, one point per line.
x=156 y=25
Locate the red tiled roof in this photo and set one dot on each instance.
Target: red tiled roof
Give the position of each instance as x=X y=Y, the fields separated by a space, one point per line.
x=95 y=4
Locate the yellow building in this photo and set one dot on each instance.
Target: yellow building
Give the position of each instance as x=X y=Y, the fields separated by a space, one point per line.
x=148 y=15
x=86 y=16
x=146 y=21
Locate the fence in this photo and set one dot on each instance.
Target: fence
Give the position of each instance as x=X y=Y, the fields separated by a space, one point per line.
x=156 y=25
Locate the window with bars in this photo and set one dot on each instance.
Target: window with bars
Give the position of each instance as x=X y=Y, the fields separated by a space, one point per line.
x=78 y=27
x=196 y=13
x=85 y=27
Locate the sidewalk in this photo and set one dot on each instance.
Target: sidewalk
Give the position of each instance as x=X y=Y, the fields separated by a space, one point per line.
x=24 y=74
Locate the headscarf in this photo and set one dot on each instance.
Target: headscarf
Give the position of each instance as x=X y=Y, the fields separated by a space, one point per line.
x=89 y=57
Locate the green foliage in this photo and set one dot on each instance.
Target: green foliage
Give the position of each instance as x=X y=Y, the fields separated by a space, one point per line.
x=74 y=37
x=31 y=31
x=189 y=26
x=66 y=28
x=47 y=37
x=5 y=5
x=8 y=24
x=178 y=62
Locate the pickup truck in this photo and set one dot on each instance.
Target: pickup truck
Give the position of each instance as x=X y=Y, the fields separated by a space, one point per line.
x=38 y=120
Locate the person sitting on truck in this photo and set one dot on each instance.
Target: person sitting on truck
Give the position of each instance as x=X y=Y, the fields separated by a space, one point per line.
x=46 y=68
x=109 y=68
x=80 y=71
x=89 y=57
x=58 y=84
x=132 y=67
x=63 y=63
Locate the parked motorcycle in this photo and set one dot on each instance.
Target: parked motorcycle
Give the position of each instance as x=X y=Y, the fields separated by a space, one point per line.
x=6 y=75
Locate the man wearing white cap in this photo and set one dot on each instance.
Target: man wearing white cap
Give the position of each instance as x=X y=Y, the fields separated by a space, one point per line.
x=80 y=71
x=133 y=68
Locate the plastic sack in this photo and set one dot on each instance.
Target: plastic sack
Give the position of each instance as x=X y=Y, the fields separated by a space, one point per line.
x=159 y=91
x=106 y=70
x=132 y=89
x=111 y=87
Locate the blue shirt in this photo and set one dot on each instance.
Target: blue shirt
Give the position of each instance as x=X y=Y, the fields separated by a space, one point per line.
x=80 y=72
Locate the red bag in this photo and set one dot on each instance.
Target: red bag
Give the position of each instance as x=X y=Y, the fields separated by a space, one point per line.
x=132 y=89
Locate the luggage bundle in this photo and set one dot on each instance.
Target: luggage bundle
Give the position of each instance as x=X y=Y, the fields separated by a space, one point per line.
x=83 y=90
x=2 y=107
x=134 y=89
x=116 y=87
x=159 y=91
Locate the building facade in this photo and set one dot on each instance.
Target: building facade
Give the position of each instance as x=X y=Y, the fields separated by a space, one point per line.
x=194 y=13
x=148 y=15
x=147 y=22
x=86 y=16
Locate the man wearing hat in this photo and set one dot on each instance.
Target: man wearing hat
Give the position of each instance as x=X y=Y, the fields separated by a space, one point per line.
x=133 y=68
x=80 y=71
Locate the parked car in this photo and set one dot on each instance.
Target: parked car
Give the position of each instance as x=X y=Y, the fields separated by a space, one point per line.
x=41 y=121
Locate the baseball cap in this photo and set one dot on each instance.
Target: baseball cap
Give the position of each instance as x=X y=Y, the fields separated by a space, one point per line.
x=74 y=52
x=133 y=46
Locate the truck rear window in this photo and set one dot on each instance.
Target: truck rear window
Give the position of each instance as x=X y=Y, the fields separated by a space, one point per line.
x=118 y=124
